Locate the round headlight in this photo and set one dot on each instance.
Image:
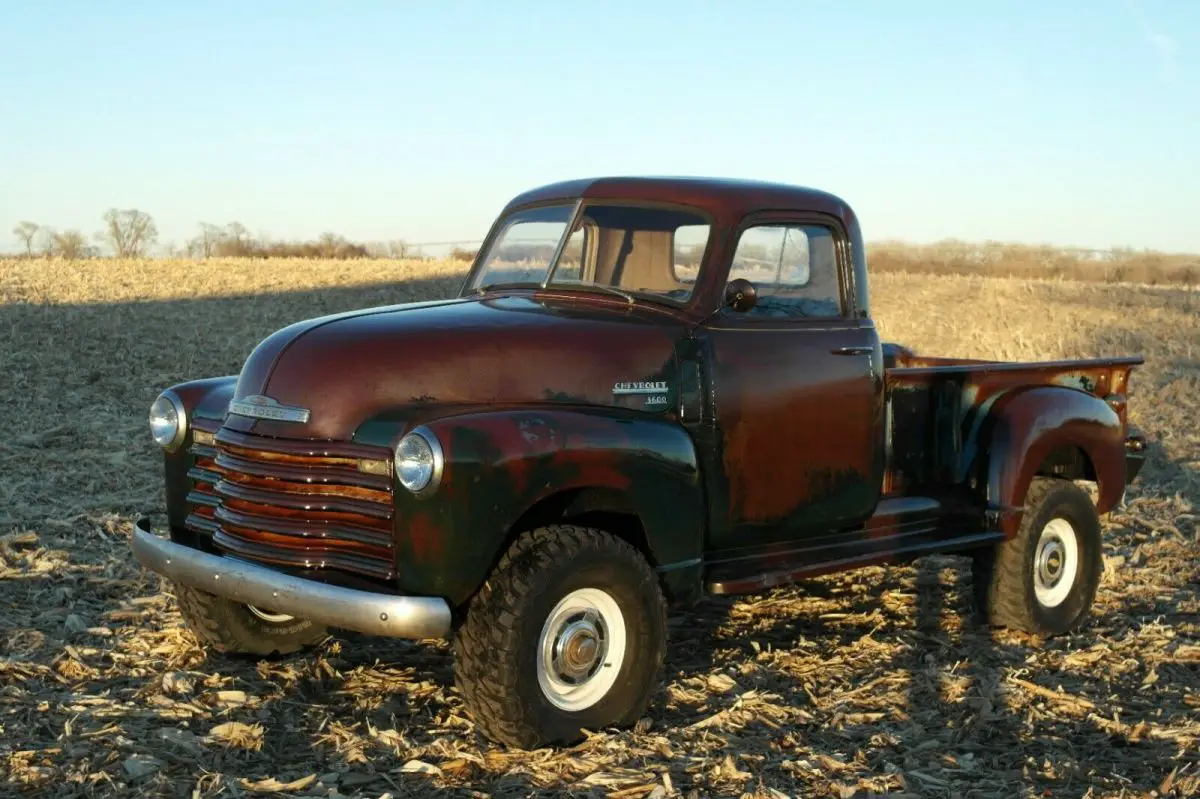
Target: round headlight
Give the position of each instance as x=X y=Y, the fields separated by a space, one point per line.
x=418 y=461
x=168 y=421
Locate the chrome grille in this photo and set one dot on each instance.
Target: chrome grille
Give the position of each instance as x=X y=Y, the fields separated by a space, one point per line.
x=293 y=503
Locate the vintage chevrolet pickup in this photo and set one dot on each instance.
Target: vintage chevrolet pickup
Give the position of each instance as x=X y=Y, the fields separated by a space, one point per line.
x=647 y=389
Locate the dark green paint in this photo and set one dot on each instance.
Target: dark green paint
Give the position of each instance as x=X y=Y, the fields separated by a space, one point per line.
x=502 y=464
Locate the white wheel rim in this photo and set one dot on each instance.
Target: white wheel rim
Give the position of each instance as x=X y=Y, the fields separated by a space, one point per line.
x=268 y=616
x=1055 y=562
x=581 y=649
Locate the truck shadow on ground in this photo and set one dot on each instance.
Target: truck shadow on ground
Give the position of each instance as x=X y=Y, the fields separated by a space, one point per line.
x=891 y=672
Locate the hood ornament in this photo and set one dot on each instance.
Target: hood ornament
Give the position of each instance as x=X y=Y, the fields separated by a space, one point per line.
x=263 y=407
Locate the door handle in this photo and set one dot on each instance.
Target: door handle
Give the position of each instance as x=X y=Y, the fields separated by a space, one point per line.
x=852 y=350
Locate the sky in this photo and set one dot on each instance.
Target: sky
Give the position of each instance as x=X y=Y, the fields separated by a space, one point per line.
x=1073 y=122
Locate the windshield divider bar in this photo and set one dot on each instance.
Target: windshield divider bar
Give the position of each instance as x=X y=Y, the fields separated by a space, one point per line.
x=562 y=243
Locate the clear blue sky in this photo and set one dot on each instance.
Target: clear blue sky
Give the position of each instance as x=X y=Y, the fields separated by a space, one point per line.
x=1071 y=122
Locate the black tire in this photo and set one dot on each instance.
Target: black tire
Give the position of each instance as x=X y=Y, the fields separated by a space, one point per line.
x=233 y=628
x=1005 y=586
x=497 y=647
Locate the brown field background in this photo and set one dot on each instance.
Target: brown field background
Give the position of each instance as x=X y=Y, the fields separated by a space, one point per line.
x=1002 y=259
x=873 y=682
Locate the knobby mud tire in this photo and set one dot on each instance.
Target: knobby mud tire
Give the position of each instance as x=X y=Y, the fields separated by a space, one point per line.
x=498 y=643
x=1003 y=576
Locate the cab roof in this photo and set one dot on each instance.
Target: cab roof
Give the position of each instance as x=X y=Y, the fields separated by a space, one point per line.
x=724 y=198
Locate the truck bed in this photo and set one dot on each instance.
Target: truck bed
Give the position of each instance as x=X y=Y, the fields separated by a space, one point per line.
x=936 y=405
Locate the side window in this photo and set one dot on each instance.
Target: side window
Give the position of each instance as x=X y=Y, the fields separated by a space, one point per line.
x=793 y=268
x=687 y=246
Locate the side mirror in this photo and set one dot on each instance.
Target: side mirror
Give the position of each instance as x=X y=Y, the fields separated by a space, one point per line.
x=740 y=295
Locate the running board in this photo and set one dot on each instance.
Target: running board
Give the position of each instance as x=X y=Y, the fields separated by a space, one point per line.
x=790 y=574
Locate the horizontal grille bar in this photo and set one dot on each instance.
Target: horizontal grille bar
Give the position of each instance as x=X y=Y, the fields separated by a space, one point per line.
x=323 y=452
x=253 y=549
x=336 y=533
x=332 y=476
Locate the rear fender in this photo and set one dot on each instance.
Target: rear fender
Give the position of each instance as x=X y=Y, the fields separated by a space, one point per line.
x=500 y=464
x=1026 y=425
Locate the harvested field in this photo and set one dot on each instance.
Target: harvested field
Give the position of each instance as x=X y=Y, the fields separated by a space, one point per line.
x=872 y=682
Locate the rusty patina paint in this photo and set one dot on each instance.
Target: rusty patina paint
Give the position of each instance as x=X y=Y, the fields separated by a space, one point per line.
x=494 y=351
x=800 y=429
x=501 y=463
x=988 y=427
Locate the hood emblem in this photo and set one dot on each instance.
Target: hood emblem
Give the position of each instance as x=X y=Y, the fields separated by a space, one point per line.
x=262 y=407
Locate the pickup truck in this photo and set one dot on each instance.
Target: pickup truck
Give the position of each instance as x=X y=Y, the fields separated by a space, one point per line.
x=646 y=390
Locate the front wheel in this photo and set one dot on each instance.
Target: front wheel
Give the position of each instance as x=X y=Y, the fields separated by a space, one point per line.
x=1044 y=579
x=567 y=634
x=235 y=628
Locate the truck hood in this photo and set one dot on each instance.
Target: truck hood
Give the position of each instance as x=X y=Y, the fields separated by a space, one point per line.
x=347 y=368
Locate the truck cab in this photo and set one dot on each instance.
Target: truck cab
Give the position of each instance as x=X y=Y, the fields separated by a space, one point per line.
x=645 y=391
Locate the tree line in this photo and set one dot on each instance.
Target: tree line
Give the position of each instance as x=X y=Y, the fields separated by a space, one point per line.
x=128 y=233
x=132 y=233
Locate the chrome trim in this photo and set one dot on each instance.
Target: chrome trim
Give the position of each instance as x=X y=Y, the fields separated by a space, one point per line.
x=259 y=406
x=181 y=430
x=439 y=461
x=562 y=243
x=251 y=584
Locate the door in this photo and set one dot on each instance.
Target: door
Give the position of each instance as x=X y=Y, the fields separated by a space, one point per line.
x=797 y=389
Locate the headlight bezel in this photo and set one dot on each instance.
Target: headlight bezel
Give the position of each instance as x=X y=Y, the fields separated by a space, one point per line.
x=437 y=457
x=181 y=426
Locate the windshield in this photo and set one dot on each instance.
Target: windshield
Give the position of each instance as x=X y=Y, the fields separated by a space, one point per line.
x=635 y=250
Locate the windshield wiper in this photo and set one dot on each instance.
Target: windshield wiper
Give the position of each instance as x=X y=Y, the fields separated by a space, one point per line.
x=515 y=284
x=581 y=286
x=613 y=289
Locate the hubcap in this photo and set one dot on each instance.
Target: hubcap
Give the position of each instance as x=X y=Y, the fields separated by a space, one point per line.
x=581 y=649
x=1055 y=562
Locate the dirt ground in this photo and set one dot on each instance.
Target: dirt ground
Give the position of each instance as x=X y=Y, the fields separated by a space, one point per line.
x=873 y=682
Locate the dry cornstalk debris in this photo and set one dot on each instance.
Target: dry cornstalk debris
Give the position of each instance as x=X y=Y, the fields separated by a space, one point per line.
x=869 y=683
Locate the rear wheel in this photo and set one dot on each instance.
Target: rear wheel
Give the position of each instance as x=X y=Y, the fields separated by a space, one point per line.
x=567 y=634
x=235 y=628
x=1044 y=579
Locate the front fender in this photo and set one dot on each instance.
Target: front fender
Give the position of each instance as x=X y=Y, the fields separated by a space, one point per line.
x=499 y=464
x=207 y=398
x=1027 y=425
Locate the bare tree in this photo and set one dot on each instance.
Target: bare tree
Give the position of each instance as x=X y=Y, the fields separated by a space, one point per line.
x=46 y=241
x=238 y=232
x=26 y=232
x=204 y=245
x=71 y=245
x=129 y=232
x=235 y=241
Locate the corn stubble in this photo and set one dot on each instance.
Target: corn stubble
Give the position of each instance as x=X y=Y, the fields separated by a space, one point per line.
x=872 y=682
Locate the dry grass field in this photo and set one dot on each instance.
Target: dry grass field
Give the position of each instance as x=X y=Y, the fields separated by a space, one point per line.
x=873 y=682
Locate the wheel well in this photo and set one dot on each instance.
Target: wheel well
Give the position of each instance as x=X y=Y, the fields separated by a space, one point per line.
x=1070 y=462
x=603 y=508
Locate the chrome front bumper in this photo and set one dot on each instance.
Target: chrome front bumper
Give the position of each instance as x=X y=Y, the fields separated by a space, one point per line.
x=237 y=580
